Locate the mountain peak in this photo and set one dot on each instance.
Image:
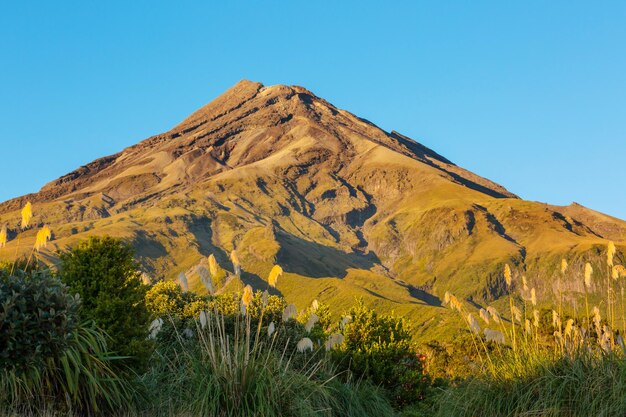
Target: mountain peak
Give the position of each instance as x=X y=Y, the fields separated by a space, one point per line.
x=346 y=208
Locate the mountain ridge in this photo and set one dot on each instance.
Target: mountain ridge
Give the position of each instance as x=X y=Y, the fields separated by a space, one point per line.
x=348 y=209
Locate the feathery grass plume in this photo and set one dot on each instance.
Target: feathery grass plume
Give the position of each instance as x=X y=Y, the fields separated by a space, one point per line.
x=610 y=253
x=27 y=214
x=588 y=272
x=597 y=318
x=345 y=320
x=311 y=322
x=335 y=339
x=527 y=327
x=453 y=302
x=473 y=323
x=569 y=326
x=305 y=344
x=536 y=318
x=264 y=297
x=3 y=236
x=205 y=278
x=182 y=281
x=494 y=336
x=145 y=279
x=315 y=305
x=289 y=312
x=507 y=275
x=43 y=235
x=446 y=298
x=517 y=314
x=247 y=296
x=155 y=328
x=271 y=329
x=618 y=271
x=563 y=266
x=494 y=314
x=533 y=296
x=275 y=273
x=524 y=283
x=213 y=266
x=484 y=314
x=556 y=321
x=235 y=260
x=203 y=319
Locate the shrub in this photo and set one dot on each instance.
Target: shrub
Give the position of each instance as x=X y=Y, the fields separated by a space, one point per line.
x=379 y=348
x=37 y=319
x=47 y=359
x=166 y=298
x=103 y=272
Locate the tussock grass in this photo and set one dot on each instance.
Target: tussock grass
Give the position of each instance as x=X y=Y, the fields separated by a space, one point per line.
x=242 y=369
x=574 y=367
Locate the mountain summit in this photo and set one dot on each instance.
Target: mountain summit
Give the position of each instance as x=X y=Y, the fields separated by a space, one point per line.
x=282 y=176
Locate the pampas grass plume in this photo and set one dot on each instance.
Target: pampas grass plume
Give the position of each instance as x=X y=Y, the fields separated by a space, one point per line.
x=27 y=214
x=588 y=272
x=235 y=260
x=246 y=298
x=289 y=312
x=275 y=273
x=43 y=235
x=484 y=314
x=610 y=253
x=494 y=314
x=213 y=266
x=3 y=236
x=507 y=275
x=305 y=344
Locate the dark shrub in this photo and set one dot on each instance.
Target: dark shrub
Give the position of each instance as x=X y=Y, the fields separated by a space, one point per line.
x=37 y=318
x=102 y=270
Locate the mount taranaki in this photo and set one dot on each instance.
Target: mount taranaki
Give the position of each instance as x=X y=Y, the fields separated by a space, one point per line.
x=347 y=209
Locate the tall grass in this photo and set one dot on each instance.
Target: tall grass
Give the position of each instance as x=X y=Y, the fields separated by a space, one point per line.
x=80 y=380
x=219 y=368
x=571 y=367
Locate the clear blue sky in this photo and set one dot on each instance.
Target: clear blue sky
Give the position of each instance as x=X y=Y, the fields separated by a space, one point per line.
x=531 y=94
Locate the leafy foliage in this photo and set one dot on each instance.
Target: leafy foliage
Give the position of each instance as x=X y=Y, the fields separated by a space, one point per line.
x=379 y=348
x=166 y=298
x=47 y=358
x=37 y=319
x=103 y=272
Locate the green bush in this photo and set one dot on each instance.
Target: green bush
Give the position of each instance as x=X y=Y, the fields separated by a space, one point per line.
x=47 y=359
x=103 y=272
x=79 y=380
x=166 y=298
x=379 y=348
x=37 y=319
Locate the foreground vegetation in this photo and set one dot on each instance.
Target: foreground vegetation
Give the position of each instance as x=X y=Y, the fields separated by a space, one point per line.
x=96 y=338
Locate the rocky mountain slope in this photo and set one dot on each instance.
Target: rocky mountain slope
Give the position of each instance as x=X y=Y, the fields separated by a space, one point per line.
x=347 y=209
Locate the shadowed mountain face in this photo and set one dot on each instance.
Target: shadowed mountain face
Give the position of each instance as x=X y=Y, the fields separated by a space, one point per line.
x=347 y=209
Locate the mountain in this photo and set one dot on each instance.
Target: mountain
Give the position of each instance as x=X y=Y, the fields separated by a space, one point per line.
x=347 y=209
